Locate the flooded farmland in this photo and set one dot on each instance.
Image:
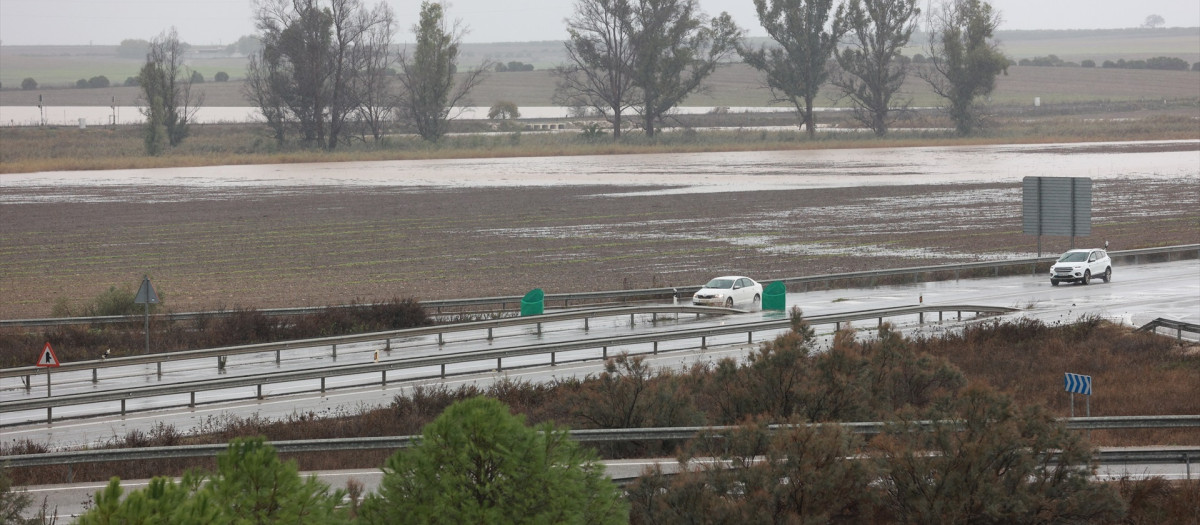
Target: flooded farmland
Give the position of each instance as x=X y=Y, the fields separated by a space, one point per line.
x=313 y=234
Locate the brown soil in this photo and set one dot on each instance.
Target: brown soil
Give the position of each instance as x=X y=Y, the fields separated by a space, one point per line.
x=316 y=246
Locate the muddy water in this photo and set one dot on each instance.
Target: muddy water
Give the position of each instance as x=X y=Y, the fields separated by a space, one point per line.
x=657 y=174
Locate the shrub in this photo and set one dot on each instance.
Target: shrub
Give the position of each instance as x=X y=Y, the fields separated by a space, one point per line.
x=1088 y=63
x=221 y=76
x=81 y=83
x=503 y=110
x=100 y=81
x=1167 y=63
x=28 y=84
x=131 y=82
x=197 y=78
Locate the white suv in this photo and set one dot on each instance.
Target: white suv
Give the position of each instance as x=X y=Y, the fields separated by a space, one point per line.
x=1080 y=266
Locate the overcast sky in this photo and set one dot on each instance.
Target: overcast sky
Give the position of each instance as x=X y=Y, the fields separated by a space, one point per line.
x=107 y=22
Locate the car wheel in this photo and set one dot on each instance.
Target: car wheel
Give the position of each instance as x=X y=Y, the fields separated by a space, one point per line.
x=1087 y=277
x=757 y=298
x=729 y=303
x=1107 y=274
x=1053 y=282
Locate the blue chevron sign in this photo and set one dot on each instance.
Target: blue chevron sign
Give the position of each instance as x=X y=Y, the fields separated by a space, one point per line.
x=1078 y=384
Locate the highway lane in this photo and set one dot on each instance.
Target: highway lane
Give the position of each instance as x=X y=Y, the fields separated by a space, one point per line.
x=1136 y=295
x=73 y=499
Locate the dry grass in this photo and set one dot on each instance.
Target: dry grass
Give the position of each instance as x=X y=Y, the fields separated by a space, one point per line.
x=1024 y=359
x=69 y=149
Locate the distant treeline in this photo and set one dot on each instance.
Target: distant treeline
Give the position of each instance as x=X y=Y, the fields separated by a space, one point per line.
x=1165 y=63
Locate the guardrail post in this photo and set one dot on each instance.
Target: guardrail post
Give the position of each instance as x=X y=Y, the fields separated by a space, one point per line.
x=1187 y=460
x=335 y=351
x=920 y=317
x=749 y=337
x=499 y=367
x=322 y=385
x=443 y=370
x=539 y=329
x=221 y=362
x=585 y=324
x=1179 y=333
x=160 y=369
x=277 y=357
x=654 y=318
x=387 y=345
x=604 y=353
x=489 y=334
x=960 y=315
x=260 y=391
x=94 y=379
x=192 y=400
x=440 y=341
x=553 y=361
x=28 y=383
x=122 y=407
x=49 y=415
x=703 y=342
x=383 y=382
x=630 y=319
x=939 y=317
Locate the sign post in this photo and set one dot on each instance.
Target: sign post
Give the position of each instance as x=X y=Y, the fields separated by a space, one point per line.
x=1056 y=206
x=1079 y=384
x=147 y=297
x=48 y=360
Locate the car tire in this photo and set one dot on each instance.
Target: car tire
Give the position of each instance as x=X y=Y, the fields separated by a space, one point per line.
x=757 y=298
x=1053 y=282
x=729 y=303
x=1087 y=277
x=1107 y=277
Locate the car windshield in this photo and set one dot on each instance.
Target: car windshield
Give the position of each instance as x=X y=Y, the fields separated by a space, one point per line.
x=1073 y=257
x=720 y=283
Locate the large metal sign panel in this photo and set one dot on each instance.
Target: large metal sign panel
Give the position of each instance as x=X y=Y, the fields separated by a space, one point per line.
x=1057 y=206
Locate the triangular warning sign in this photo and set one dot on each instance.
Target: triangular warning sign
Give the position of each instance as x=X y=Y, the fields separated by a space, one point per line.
x=145 y=294
x=48 y=358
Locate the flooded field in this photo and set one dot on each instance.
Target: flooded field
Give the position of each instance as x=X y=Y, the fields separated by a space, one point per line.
x=292 y=235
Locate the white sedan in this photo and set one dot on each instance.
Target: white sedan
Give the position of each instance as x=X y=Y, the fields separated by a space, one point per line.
x=727 y=291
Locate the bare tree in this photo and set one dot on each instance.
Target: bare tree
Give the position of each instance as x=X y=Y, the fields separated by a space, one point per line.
x=965 y=59
x=264 y=86
x=675 y=48
x=871 y=67
x=1154 y=21
x=806 y=38
x=430 y=90
x=312 y=63
x=166 y=86
x=599 y=56
x=374 y=58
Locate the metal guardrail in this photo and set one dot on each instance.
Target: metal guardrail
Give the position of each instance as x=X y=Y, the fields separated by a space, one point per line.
x=591 y=297
x=1179 y=326
x=333 y=341
x=1157 y=455
x=383 y=367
